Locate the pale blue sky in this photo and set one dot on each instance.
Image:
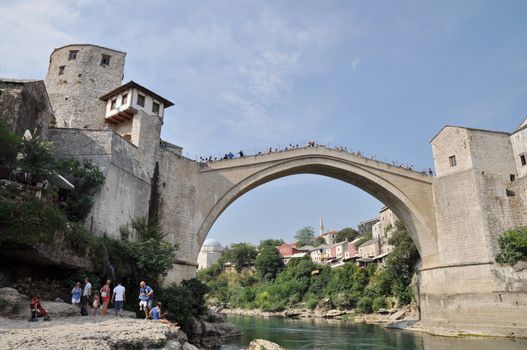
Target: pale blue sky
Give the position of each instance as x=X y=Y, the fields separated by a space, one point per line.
x=378 y=76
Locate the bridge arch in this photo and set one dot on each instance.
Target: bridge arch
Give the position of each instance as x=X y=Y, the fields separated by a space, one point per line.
x=406 y=193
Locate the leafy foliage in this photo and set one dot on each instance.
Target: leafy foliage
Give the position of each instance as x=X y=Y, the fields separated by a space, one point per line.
x=347 y=233
x=319 y=241
x=305 y=236
x=270 y=243
x=37 y=158
x=513 y=245
x=303 y=281
x=240 y=254
x=10 y=146
x=87 y=178
x=183 y=301
x=268 y=264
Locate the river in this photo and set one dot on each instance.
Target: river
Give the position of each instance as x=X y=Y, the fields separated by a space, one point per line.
x=335 y=335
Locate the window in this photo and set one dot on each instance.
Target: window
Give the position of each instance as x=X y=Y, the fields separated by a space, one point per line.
x=522 y=159
x=105 y=60
x=155 y=107
x=61 y=70
x=452 y=160
x=73 y=55
x=124 y=99
x=114 y=104
x=140 y=100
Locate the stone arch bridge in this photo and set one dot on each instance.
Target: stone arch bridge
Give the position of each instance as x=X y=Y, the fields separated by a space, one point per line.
x=213 y=186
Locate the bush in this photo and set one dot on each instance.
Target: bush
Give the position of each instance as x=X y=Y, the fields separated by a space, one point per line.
x=364 y=305
x=378 y=303
x=312 y=302
x=87 y=178
x=177 y=301
x=30 y=222
x=513 y=245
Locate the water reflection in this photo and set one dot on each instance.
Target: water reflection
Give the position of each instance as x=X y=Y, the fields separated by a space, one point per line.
x=336 y=335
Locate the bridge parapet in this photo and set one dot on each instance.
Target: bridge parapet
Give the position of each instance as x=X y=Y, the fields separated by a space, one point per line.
x=321 y=151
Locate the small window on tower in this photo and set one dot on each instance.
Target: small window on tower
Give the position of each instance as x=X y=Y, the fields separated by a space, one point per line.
x=140 y=100
x=73 y=55
x=114 y=104
x=124 y=99
x=155 y=108
x=522 y=159
x=452 y=160
x=61 y=70
x=105 y=60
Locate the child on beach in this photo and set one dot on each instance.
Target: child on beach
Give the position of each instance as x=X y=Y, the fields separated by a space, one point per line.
x=96 y=303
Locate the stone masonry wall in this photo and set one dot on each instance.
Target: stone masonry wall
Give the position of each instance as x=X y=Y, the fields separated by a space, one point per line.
x=126 y=190
x=75 y=93
x=24 y=105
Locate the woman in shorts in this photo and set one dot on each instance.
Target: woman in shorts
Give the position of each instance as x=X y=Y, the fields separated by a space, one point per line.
x=105 y=296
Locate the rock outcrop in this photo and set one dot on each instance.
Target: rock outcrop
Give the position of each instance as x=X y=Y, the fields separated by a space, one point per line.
x=109 y=334
x=262 y=344
x=210 y=334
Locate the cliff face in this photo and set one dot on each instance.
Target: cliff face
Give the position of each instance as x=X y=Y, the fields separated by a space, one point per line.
x=24 y=105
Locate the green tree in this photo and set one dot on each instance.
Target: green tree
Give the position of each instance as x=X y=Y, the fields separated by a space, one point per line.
x=513 y=246
x=38 y=158
x=11 y=144
x=347 y=233
x=401 y=263
x=319 y=241
x=273 y=243
x=87 y=178
x=240 y=254
x=268 y=264
x=305 y=236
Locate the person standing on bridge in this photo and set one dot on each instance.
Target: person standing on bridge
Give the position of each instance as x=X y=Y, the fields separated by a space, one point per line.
x=241 y=154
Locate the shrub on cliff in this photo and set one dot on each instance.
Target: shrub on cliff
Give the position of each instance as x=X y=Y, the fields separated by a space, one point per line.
x=513 y=245
x=184 y=301
x=87 y=178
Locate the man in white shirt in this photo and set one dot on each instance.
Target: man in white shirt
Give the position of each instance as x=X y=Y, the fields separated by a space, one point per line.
x=86 y=293
x=118 y=298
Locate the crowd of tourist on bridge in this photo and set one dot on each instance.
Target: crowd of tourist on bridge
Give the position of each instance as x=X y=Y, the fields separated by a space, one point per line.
x=241 y=154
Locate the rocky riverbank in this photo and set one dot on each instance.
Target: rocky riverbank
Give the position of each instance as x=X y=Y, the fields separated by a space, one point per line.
x=382 y=317
x=68 y=329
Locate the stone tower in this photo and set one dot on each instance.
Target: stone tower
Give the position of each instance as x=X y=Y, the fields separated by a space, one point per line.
x=78 y=75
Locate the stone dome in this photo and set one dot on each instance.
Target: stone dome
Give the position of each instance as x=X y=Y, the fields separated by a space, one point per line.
x=212 y=243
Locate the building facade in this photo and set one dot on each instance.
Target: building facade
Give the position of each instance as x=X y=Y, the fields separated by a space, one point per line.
x=209 y=254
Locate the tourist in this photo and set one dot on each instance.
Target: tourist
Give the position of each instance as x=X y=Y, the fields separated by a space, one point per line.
x=76 y=294
x=37 y=310
x=96 y=303
x=430 y=172
x=241 y=154
x=146 y=297
x=157 y=315
x=105 y=296
x=118 y=298
x=86 y=293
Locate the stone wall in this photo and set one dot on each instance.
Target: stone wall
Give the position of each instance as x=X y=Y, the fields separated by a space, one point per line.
x=126 y=191
x=75 y=93
x=24 y=105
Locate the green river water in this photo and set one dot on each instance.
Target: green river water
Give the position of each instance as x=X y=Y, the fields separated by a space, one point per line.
x=335 y=335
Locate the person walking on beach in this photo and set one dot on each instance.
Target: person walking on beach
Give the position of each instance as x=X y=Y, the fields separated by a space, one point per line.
x=86 y=293
x=105 y=296
x=118 y=298
x=76 y=294
x=146 y=297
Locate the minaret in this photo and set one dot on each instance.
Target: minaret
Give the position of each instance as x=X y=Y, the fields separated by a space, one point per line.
x=321 y=227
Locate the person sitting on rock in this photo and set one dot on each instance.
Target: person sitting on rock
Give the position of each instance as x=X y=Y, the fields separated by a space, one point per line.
x=37 y=310
x=157 y=315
